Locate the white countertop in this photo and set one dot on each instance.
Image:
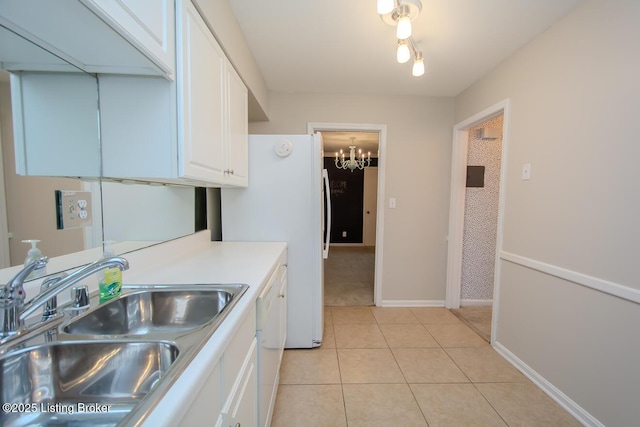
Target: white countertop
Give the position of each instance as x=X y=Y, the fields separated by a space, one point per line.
x=191 y=260
x=195 y=259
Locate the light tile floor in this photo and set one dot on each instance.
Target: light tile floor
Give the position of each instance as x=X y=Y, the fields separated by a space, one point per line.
x=406 y=367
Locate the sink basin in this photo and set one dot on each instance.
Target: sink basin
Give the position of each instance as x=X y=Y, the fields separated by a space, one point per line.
x=55 y=378
x=153 y=311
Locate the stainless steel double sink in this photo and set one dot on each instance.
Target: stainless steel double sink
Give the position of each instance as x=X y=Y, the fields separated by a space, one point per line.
x=113 y=363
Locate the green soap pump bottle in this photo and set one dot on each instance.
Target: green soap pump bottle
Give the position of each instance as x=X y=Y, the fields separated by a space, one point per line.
x=34 y=254
x=109 y=279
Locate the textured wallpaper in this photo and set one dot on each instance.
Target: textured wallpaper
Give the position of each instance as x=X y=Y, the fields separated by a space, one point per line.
x=481 y=216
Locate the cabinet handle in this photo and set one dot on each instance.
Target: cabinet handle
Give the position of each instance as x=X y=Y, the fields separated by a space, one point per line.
x=281 y=295
x=231 y=172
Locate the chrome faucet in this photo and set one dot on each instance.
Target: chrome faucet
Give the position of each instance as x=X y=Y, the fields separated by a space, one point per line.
x=13 y=310
x=12 y=298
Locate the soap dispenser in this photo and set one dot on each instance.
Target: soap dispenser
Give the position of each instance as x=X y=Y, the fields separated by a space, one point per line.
x=109 y=279
x=33 y=255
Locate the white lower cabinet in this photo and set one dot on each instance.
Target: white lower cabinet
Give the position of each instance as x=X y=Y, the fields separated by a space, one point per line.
x=241 y=407
x=229 y=395
x=205 y=402
x=240 y=390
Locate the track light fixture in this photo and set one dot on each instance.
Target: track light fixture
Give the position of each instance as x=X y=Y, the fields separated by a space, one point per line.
x=400 y=13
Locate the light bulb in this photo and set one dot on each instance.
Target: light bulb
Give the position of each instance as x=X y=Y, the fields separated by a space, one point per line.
x=418 y=65
x=385 y=6
x=403 y=30
x=403 y=54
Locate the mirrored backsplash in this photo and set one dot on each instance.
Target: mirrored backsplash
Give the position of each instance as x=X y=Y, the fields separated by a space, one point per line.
x=134 y=215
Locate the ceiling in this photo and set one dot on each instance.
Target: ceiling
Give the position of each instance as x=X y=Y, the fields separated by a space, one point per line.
x=342 y=46
x=334 y=141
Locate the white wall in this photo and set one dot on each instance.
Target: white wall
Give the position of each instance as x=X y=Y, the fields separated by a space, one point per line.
x=226 y=29
x=419 y=132
x=575 y=100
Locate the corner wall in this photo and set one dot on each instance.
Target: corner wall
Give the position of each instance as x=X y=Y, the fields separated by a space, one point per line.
x=418 y=159
x=568 y=290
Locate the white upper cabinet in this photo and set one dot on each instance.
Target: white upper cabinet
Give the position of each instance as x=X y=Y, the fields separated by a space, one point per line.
x=53 y=137
x=98 y=36
x=192 y=131
x=237 y=154
x=148 y=25
x=171 y=107
x=201 y=99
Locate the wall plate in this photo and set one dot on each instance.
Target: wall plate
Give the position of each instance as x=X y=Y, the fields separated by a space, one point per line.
x=73 y=209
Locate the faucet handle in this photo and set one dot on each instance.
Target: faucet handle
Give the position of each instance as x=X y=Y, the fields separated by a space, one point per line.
x=80 y=296
x=50 y=308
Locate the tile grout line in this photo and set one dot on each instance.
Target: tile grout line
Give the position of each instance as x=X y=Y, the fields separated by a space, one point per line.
x=415 y=400
x=344 y=401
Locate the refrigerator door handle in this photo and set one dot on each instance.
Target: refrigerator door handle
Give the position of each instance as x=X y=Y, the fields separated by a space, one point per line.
x=327 y=195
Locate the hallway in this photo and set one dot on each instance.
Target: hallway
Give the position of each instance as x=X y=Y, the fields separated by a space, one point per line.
x=348 y=276
x=406 y=367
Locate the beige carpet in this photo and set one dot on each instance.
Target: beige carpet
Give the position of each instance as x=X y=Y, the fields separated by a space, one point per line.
x=348 y=276
x=477 y=318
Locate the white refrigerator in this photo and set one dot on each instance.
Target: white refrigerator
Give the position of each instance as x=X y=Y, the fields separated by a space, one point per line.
x=287 y=200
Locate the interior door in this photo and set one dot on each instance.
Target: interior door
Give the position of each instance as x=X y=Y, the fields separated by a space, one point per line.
x=370 y=203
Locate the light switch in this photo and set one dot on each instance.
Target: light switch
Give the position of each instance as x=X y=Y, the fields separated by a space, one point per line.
x=526 y=171
x=392 y=203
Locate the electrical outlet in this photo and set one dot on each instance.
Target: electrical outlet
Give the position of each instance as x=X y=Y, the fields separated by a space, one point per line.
x=73 y=209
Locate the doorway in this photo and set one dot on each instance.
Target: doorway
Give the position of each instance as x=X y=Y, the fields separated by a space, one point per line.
x=352 y=271
x=475 y=228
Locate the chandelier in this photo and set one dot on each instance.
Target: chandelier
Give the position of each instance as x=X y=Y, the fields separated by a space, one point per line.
x=353 y=161
x=400 y=13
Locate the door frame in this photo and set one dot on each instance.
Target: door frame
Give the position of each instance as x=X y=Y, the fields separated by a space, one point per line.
x=313 y=127
x=457 y=204
x=364 y=202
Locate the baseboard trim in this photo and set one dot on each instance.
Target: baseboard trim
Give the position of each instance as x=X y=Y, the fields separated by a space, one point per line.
x=476 y=302
x=412 y=303
x=552 y=391
x=611 y=288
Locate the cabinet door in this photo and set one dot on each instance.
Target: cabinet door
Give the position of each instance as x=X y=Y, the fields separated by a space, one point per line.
x=206 y=402
x=148 y=25
x=242 y=409
x=55 y=124
x=73 y=32
x=238 y=141
x=201 y=75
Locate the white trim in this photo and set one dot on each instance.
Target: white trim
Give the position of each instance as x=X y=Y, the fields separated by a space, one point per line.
x=5 y=256
x=615 y=289
x=312 y=127
x=456 y=218
x=476 y=303
x=552 y=391
x=411 y=303
x=457 y=202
